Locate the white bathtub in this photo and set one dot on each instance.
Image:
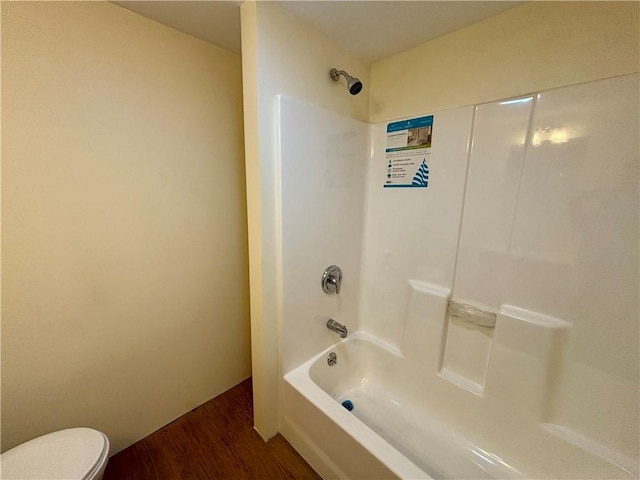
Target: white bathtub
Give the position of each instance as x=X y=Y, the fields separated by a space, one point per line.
x=390 y=433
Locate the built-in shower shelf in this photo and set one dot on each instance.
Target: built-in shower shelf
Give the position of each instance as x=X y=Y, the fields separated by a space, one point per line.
x=461 y=381
x=588 y=445
x=534 y=318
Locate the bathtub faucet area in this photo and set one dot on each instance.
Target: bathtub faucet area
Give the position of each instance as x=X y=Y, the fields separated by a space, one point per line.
x=331 y=279
x=337 y=327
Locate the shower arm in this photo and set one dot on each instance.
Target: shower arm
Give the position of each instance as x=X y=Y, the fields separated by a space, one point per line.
x=335 y=74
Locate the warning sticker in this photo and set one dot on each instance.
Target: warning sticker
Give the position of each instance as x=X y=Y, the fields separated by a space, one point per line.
x=407 y=153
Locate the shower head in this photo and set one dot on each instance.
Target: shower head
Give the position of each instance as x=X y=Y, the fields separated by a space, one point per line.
x=353 y=84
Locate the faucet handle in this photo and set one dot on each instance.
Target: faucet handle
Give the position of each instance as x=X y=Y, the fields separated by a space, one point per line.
x=335 y=282
x=331 y=279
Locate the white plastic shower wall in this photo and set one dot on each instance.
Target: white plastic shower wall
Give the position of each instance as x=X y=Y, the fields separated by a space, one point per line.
x=536 y=221
x=531 y=213
x=323 y=162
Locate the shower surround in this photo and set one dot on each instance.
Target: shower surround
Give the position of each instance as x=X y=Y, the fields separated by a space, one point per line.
x=530 y=213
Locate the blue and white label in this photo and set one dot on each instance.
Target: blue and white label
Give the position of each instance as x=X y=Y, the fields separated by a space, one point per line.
x=421 y=178
x=407 y=152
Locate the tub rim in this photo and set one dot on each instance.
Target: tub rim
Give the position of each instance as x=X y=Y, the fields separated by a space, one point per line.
x=299 y=378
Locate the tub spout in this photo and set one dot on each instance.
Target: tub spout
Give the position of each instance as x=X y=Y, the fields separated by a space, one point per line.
x=337 y=327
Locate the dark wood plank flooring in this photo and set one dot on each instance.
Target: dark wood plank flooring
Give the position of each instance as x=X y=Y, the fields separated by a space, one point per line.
x=214 y=441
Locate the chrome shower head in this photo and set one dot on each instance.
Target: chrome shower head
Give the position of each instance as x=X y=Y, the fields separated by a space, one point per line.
x=353 y=84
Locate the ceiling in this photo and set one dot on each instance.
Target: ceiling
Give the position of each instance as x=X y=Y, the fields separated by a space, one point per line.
x=216 y=22
x=370 y=29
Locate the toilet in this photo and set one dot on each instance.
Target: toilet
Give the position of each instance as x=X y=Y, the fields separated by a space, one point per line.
x=71 y=454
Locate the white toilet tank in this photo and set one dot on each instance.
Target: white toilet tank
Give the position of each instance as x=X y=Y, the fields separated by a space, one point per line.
x=74 y=453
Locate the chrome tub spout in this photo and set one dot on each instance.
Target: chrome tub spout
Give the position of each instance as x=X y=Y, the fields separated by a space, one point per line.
x=337 y=327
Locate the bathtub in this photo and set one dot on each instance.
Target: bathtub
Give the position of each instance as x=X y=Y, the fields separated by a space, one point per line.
x=389 y=433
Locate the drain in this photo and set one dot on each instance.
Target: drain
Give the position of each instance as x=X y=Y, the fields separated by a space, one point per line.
x=348 y=404
x=332 y=359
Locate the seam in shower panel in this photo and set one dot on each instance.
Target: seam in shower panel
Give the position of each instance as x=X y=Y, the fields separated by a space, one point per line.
x=445 y=329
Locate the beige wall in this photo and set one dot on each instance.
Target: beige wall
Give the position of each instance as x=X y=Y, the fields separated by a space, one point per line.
x=125 y=277
x=280 y=55
x=533 y=47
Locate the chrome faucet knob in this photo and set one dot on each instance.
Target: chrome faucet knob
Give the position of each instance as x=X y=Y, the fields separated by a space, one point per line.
x=336 y=284
x=331 y=279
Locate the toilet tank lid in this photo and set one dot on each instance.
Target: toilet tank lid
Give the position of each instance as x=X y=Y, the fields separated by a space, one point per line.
x=74 y=453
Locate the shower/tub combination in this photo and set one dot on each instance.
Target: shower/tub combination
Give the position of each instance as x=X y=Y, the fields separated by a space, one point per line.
x=479 y=305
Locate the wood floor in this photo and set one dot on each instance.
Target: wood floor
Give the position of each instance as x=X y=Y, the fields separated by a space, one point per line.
x=214 y=441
